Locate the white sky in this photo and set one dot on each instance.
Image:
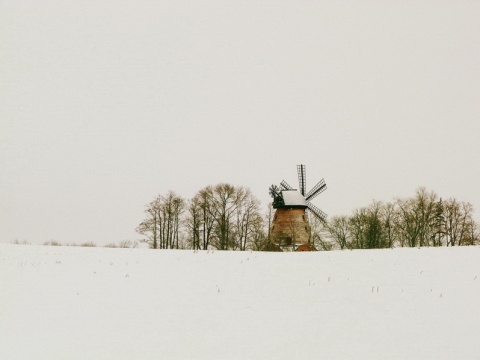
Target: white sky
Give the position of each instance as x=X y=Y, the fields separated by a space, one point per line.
x=105 y=104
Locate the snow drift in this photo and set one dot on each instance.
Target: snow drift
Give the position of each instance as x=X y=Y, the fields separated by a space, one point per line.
x=101 y=303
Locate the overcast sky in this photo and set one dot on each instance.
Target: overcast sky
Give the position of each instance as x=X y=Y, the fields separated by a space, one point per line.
x=105 y=104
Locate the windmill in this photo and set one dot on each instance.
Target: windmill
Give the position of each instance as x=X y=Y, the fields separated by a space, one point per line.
x=290 y=229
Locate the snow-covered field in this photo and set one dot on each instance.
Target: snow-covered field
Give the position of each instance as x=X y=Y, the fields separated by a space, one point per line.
x=102 y=303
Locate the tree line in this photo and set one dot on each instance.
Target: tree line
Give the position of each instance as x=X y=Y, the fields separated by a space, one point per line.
x=422 y=220
x=224 y=217
x=228 y=217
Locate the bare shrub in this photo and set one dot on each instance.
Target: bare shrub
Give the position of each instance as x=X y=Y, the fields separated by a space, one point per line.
x=88 y=244
x=125 y=244
x=18 y=242
x=52 y=243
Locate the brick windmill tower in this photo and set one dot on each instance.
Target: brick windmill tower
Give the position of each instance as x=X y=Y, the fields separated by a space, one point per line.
x=290 y=230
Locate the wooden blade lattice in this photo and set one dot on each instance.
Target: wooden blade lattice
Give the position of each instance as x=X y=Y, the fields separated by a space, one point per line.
x=316 y=190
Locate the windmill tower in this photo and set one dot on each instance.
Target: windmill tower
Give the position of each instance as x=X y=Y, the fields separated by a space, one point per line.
x=290 y=230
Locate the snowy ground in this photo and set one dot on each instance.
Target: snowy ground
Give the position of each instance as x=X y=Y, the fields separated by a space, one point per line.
x=101 y=303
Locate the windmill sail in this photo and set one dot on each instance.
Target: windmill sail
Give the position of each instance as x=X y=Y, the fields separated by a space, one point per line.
x=317 y=212
x=302 y=178
x=285 y=186
x=317 y=189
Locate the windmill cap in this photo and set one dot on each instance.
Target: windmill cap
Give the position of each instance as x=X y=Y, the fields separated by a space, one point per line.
x=293 y=198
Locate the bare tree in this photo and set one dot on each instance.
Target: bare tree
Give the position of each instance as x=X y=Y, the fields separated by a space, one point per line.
x=409 y=223
x=438 y=224
x=201 y=219
x=259 y=239
x=473 y=234
x=390 y=224
x=208 y=215
x=319 y=233
x=366 y=227
x=374 y=227
x=338 y=228
x=224 y=204
x=194 y=222
x=458 y=222
x=172 y=207
x=150 y=226
x=425 y=203
x=248 y=218
x=357 y=227
x=162 y=225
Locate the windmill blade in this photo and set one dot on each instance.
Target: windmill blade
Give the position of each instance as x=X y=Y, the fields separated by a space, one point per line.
x=302 y=178
x=317 y=212
x=274 y=191
x=285 y=186
x=317 y=189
